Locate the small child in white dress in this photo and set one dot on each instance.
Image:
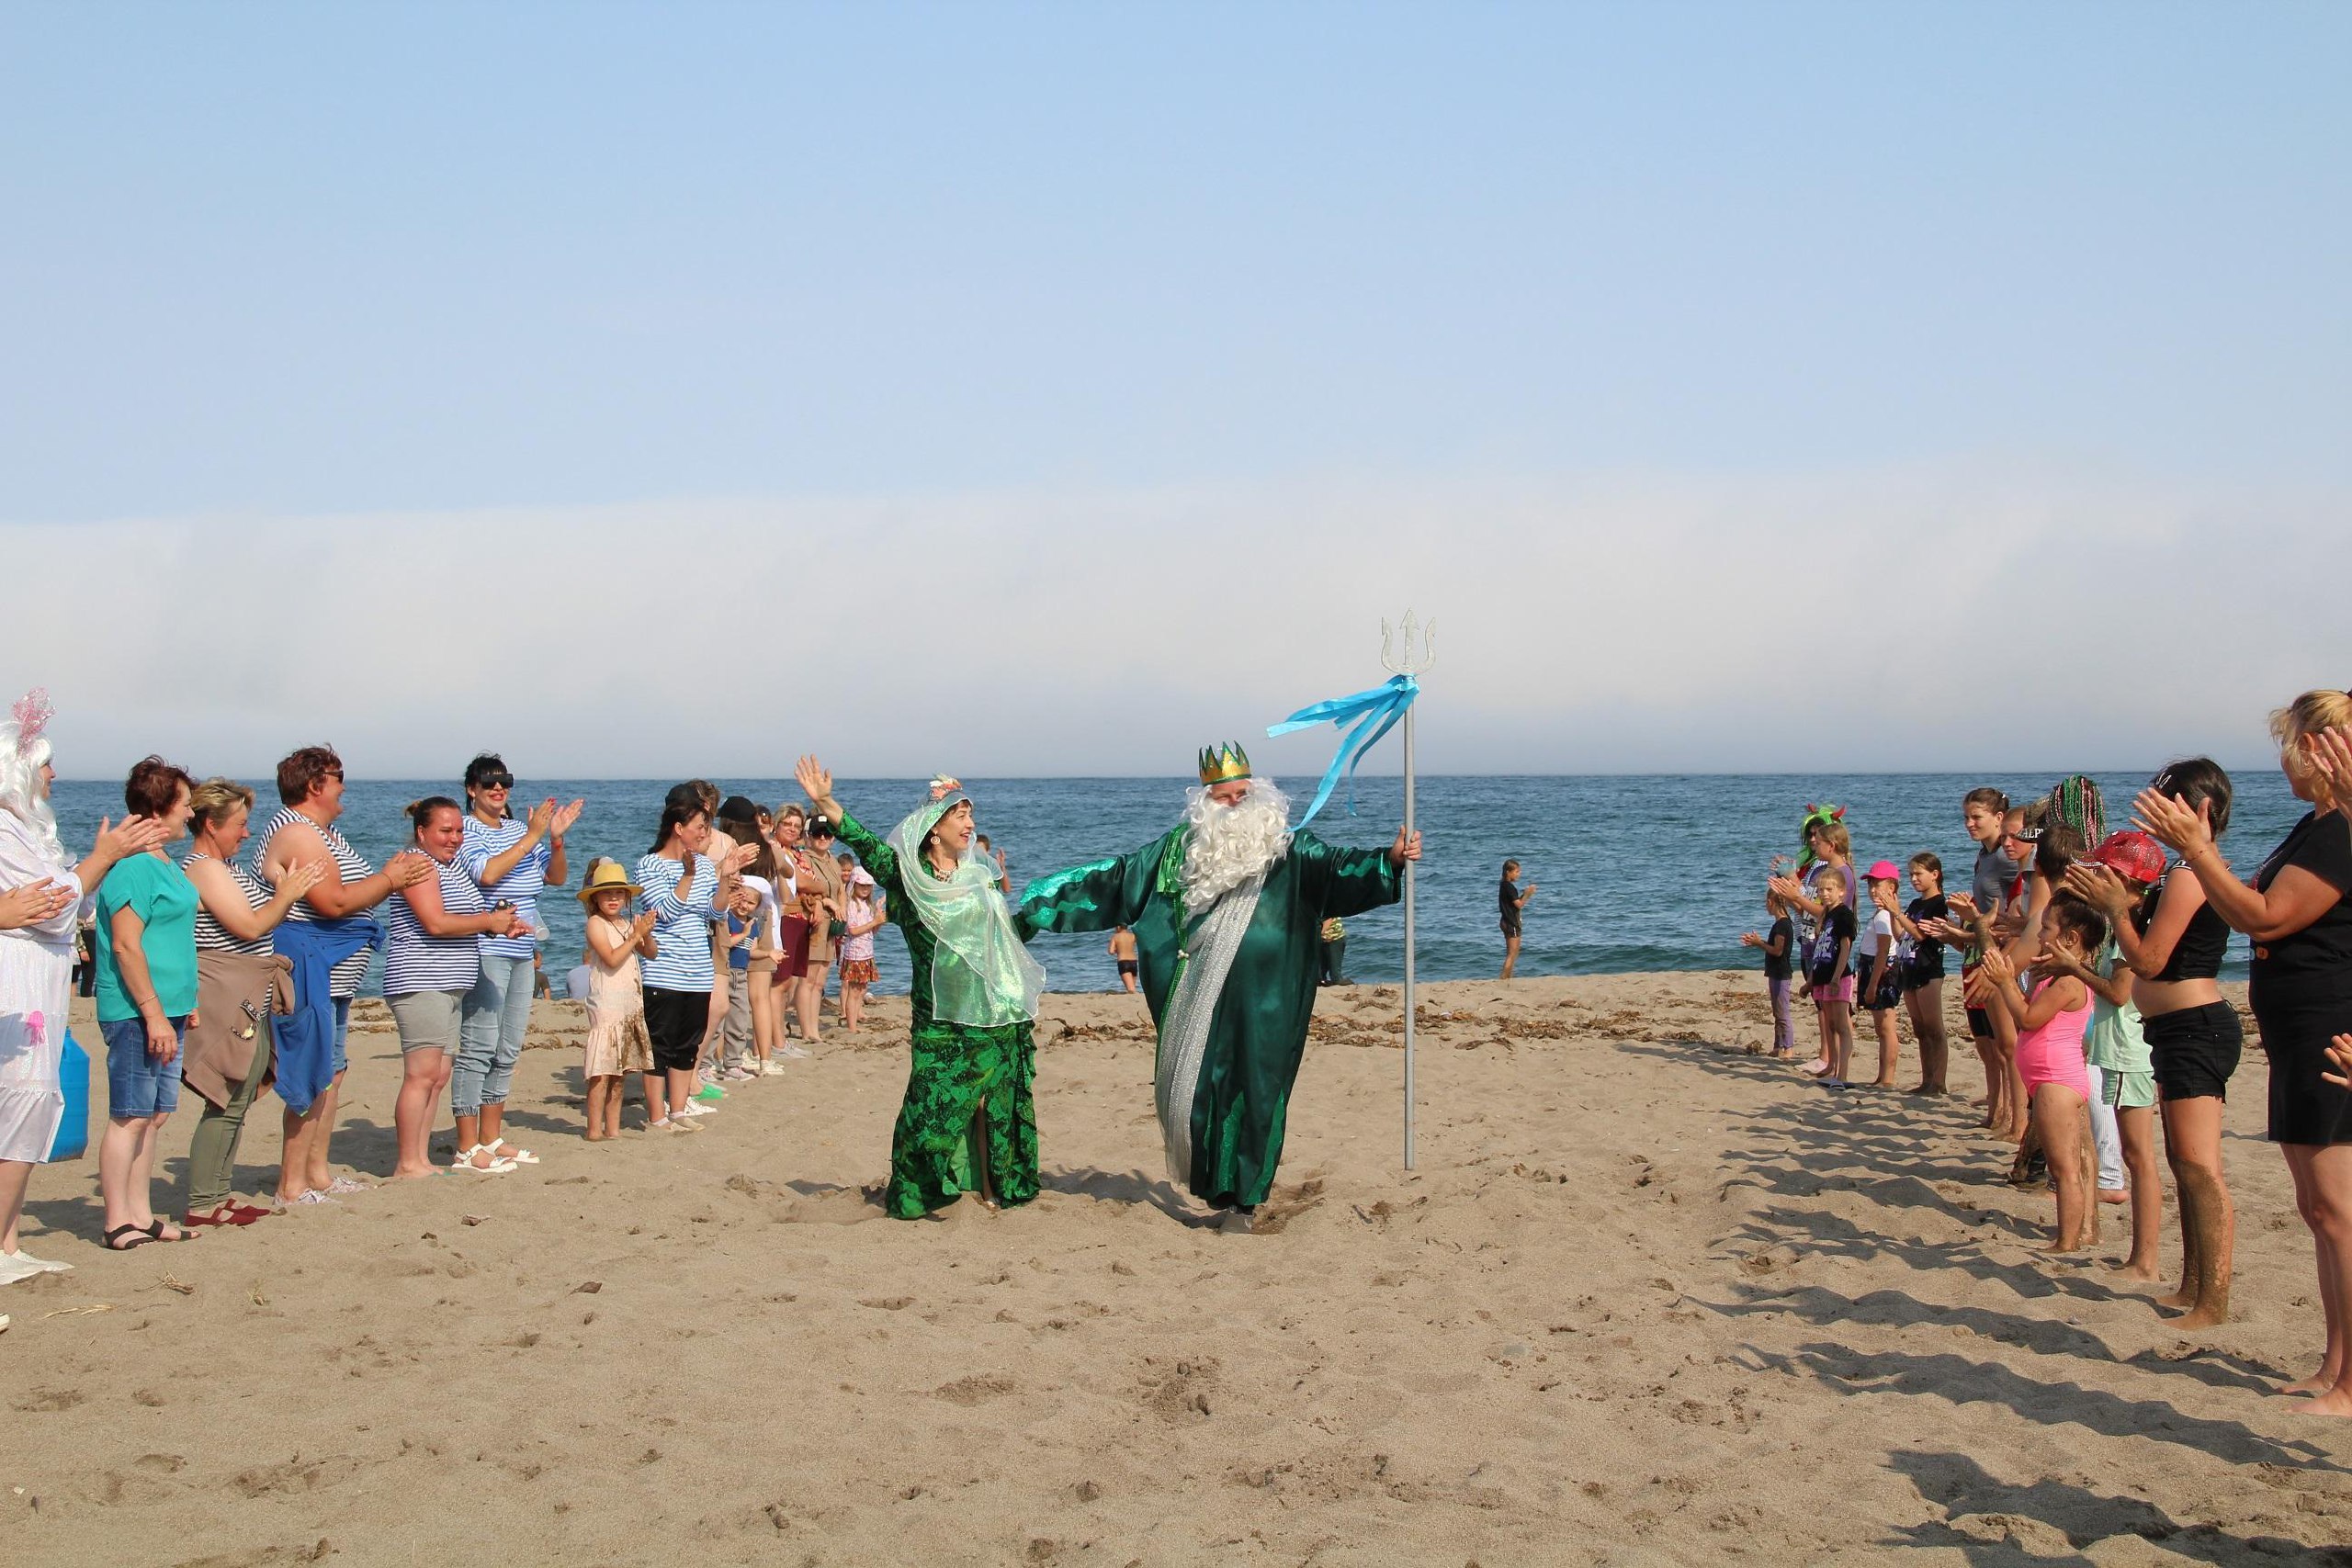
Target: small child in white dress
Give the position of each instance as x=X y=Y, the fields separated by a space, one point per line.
x=617 y=1043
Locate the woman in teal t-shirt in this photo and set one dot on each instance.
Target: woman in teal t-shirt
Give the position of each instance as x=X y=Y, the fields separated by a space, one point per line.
x=146 y=995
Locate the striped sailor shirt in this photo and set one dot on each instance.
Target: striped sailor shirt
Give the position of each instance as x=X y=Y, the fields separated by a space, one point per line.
x=521 y=887
x=681 y=931
x=415 y=959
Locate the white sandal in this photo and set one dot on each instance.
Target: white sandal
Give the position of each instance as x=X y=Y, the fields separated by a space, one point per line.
x=464 y=1161
x=515 y=1154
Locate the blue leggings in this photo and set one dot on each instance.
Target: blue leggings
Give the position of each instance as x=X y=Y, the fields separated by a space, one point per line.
x=489 y=1035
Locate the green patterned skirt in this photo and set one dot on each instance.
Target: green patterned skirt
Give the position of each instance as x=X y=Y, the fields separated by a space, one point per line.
x=968 y=1114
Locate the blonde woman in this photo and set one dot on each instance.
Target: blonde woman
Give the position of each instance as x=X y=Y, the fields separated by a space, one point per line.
x=2295 y=910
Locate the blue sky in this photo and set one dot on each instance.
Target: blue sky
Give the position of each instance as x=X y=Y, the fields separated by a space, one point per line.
x=1911 y=287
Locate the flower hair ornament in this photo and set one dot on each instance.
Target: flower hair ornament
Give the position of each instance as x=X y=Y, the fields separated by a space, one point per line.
x=32 y=713
x=945 y=785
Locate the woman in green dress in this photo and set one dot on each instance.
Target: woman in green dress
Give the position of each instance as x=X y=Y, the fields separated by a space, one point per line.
x=969 y=1124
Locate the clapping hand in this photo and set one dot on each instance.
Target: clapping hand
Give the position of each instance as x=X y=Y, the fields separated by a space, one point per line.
x=2099 y=887
x=32 y=904
x=2160 y=815
x=565 y=816
x=2330 y=752
x=300 y=878
x=1786 y=886
x=542 y=819
x=131 y=836
x=1962 y=905
x=407 y=868
x=742 y=856
x=2339 y=1051
x=1749 y=939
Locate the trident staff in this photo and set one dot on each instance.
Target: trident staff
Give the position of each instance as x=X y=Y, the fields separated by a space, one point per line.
x=1374 y=712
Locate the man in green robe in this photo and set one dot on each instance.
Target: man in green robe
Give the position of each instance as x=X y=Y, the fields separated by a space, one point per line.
x=1228 y=910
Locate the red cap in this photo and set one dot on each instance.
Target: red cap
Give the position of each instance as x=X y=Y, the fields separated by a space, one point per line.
x=2131 y=856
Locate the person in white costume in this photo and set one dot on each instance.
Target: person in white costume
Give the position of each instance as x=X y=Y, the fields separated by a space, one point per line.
x=36 y=958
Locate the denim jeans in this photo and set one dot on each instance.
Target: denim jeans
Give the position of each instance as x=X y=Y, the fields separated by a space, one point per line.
x=489 y=1037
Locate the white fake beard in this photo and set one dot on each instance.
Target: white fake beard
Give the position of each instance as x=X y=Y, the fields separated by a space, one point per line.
x=1229 y=844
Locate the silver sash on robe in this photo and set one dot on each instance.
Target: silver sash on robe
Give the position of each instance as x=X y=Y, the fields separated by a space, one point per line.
x=1185 y=1037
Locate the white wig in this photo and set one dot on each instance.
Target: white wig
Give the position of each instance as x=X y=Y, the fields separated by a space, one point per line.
x=1228 y=845
x=21 y=795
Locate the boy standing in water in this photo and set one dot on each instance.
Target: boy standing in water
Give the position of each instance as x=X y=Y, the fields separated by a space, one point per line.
x=1123 y=953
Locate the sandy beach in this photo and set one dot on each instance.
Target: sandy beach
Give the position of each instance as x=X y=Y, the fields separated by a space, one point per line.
x=1649 y=1298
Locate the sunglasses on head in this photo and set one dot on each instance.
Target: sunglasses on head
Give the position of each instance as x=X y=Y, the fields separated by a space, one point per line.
x=496 y=781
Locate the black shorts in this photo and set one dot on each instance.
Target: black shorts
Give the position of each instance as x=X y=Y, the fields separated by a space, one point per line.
x=1126 y=966
x=676 y=1021
x=1917 y=979
x=2304 y=1107
x=1980 y=1024
x=1510 y=928
x=2195 y=1050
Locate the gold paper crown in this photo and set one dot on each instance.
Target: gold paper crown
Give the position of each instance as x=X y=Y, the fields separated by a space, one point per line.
x=1223 y=765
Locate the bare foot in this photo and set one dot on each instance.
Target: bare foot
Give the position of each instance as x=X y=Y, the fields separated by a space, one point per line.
x=2317 y=1382
x=2181 y=1299
x=595 y=1137
x=2334 y=1402
x=2146 y=1272
x=2114 y=1195
x=2203 y=1317
x=412 y=1173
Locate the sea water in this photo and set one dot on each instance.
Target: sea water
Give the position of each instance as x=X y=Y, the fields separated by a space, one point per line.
x=1631 y=871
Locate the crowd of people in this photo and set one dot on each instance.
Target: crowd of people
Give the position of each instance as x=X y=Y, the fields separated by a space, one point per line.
x=229 y=964
x=2089 y=964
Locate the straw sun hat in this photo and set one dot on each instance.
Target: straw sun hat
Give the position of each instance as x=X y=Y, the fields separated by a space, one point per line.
x=607 y=877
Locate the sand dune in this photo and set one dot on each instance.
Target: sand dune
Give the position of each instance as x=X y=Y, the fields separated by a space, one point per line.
x=1648 y=1299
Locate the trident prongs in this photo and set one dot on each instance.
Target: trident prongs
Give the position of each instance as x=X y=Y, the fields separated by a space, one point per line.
x=1408 y=658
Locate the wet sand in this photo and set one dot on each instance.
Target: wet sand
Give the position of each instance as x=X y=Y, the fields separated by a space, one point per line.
x=1648 y=1298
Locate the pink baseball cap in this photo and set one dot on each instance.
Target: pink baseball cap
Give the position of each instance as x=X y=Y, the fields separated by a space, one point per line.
x=1884 y=870
x=2132 y=855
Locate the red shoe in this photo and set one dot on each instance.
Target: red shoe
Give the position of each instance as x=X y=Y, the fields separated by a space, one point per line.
x=228 y=1213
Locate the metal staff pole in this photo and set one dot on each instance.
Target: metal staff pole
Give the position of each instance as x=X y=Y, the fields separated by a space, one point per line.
x=1414 y=662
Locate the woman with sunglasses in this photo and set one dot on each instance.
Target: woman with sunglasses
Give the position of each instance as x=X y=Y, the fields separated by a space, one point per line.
x=514 y=860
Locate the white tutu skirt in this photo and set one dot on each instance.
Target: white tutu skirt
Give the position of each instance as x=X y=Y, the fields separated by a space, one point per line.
x=36 y=983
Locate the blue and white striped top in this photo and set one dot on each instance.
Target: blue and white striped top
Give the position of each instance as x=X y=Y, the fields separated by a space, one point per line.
x=521 y=887
x=414 y=961
x=352 y=971
x=681 y=931
x=213 y=937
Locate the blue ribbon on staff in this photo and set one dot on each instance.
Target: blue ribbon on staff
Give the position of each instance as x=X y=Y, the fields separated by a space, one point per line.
x=1375 y=712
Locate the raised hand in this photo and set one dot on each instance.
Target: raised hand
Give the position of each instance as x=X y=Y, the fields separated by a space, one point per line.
x=32 y=904
x=565 y=816
x=2099 y=887
x=2330 y=751
x=542 y=817
x=2160 y=815
x=740 y=857
x=407 y=868
x=131 y=836
x=816 y=780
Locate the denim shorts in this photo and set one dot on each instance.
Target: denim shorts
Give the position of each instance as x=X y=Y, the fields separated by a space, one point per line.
x=137 y=1084
x=342 y=1032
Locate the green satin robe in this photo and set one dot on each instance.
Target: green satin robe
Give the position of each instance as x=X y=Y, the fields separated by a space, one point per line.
x=942 y=1143
x=1258 y=1033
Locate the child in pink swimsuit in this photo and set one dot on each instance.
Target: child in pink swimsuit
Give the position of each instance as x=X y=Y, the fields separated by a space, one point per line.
x=2050 y=1058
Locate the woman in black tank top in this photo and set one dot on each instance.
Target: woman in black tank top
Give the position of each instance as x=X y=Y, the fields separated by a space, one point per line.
x=2175 y=943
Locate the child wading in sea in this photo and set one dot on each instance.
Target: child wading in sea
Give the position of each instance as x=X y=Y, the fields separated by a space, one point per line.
x=2051 y=1022
x=617 y=1042
x=1776 y=945
x=1830 y=981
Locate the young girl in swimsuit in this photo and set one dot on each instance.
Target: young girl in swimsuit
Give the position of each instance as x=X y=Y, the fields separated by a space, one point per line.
x=2050 y=1023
